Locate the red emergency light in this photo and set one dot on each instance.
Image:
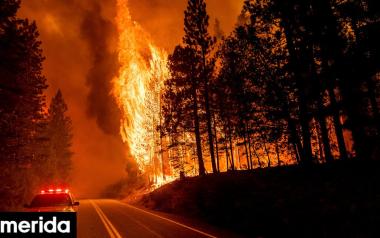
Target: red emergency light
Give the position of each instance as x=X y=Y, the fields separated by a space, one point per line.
x=57 y=190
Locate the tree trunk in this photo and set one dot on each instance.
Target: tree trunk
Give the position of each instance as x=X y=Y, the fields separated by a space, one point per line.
x=249 y=145
x=296 y=151
x=247 y=155
x=324 y=131
x=227 y=153
x=320 y=145
x=353 y=108
x=307 y=155
x=209 y=132
x=208 y=116
x=294 y=138
x=238 y=154
x=337 y=125
x=216 y=146
x=277 y=154
x=268 y=155
x=265 y=146
x=257 y=156
x=302 y=96
x=231 y=149
x=330 y=39
x=198 y=141
x=254 y=151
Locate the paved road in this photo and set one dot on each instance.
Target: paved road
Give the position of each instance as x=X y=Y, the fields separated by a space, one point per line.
x=110 y=218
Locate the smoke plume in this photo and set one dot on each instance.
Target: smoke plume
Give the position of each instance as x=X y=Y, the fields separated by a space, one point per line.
x=99 y=34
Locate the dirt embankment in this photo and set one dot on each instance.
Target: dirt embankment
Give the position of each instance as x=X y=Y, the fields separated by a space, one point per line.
x=335 y=200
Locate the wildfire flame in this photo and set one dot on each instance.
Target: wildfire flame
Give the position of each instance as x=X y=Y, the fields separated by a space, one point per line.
x=143 y=69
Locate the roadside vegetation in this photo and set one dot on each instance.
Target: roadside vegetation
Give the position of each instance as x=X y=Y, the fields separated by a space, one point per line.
x=35 y=138
x=274 y=129
x=296 y=82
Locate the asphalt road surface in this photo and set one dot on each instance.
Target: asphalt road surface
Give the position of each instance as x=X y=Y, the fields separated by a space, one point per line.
x=104 y=218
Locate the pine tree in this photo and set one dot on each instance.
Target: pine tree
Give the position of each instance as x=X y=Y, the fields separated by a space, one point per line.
x=198 y=39
x=22 y=103
x=180 y=101
x=60 y=135
x=357 y=64
x=333 y=61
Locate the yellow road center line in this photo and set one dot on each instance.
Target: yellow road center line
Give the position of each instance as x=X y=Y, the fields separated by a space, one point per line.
x=169 y=220
x=102 y=219
x=107 y=223
x=115 y=232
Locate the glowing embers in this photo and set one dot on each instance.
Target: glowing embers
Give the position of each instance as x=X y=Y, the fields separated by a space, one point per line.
x=143 y=69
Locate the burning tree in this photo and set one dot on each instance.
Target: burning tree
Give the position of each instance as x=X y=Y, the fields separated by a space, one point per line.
x=143 y=70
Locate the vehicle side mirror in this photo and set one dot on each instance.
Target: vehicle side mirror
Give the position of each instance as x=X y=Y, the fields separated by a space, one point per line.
x=26 y=205
x=76 y=203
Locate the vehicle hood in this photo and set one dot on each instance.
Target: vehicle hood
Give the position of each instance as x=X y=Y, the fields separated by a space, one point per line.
x=51 y=209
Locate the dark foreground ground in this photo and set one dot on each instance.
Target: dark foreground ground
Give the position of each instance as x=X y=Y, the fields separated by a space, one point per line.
x=336 y=200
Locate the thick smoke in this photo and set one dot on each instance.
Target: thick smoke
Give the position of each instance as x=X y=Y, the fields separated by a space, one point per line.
x=80 y=62
x=99 y=33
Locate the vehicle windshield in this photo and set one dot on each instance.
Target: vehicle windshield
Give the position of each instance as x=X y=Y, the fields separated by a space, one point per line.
x=51 y=200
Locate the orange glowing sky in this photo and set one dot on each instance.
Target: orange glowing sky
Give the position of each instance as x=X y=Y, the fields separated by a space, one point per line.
x=71 y=52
